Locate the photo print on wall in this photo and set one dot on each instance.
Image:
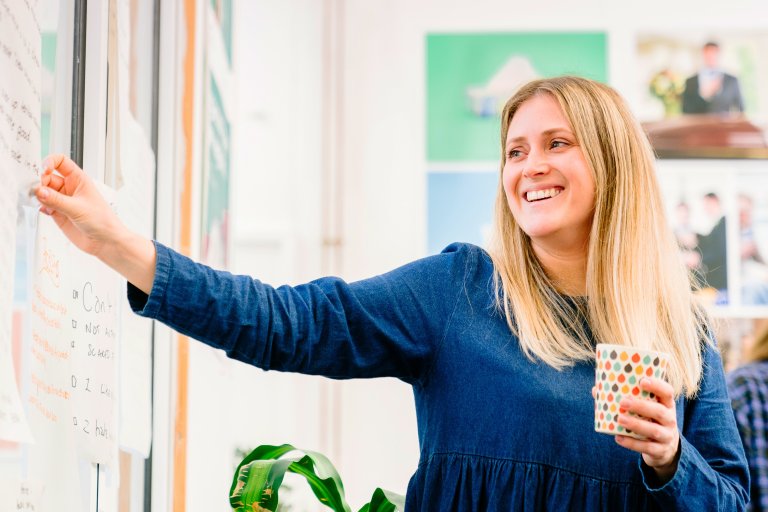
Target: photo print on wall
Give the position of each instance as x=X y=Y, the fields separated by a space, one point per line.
x=719 y=213
x=704 y=94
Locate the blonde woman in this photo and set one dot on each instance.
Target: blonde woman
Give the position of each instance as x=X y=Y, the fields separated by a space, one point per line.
x=748 y=387
x=498 y=346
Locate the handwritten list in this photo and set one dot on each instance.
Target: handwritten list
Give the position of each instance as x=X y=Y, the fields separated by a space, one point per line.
x=53 y=458
x=20 y=90
x=19 y=154
x=92 y=330
x=20 y=496
x=74 y=341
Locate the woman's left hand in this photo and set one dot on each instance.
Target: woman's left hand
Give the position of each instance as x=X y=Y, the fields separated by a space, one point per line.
x=657 y=422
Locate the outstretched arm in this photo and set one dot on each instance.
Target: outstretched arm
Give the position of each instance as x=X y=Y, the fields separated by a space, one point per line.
x=70 y=197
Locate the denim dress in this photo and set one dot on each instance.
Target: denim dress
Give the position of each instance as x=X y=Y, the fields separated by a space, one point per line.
x=497 y=431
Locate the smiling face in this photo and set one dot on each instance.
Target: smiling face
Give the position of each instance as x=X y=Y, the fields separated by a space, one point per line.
x=548 y=183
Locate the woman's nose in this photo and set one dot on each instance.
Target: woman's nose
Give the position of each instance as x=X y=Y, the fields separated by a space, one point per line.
x=536 y=165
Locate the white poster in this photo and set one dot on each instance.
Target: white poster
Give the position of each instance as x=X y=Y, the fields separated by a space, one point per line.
x=20 y=496
x=136 y=332
x=49 y=396
x=93 y=294
x=75 y=305
x=20 y=91
x=13 y=424
x=19 y=154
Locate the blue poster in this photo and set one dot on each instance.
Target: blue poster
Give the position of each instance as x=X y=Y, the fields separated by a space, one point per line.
x=459 y=207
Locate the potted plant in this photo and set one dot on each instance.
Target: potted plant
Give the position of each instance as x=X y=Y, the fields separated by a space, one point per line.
x=256 y=483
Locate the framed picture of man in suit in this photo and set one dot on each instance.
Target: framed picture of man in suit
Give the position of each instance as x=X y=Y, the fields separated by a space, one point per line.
x=698 y=201
x=718 y=211
x=704 y=94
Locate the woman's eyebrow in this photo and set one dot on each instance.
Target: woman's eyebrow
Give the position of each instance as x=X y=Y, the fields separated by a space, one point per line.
x=545 y=133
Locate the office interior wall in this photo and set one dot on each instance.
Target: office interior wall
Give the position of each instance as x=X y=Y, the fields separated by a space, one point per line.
x=275 y=236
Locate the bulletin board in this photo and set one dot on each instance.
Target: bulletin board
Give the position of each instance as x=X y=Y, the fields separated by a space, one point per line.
x=75 y=364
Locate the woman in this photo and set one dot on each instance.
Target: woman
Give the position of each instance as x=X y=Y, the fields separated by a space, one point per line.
x=498 y=346
x=748 y=387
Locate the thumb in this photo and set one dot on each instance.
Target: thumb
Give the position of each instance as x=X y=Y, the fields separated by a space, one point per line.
x=57 y=201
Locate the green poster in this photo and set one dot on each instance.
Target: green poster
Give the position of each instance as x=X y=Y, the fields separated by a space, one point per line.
x=215 y=236
x=470 y=77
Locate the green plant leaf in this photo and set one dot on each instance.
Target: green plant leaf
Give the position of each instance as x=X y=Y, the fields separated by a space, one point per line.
x=329 y=490
x=258 y=478
x=384 y=501
x=257 y=485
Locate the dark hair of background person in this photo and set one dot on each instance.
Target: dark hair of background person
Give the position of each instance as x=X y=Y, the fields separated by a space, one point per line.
x=759 y=350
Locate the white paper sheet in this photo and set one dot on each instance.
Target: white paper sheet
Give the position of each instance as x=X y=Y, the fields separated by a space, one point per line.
x=19 y=153
x=74 y=304
x=52 y=459
x=20 y=496
x=132 y=163
x=20 y=92
x=13 y=423
x=95 y=295
x=134 y=206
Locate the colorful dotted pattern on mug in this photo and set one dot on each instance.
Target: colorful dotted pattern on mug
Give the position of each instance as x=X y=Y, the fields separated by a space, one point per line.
x=617 y=374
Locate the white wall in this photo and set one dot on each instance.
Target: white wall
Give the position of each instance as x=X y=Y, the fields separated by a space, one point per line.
x=275 y=233
x=277 y=165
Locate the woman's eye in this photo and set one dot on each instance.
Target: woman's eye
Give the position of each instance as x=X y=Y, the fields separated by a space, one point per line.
x=558 y=144
x=514 y=153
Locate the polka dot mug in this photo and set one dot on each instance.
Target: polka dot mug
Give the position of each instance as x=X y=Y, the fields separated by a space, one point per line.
x=618 y=371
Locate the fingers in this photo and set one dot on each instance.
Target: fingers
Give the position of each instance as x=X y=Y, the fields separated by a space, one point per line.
x=648 y=409
x=662 y=389
x=653 y=419
x=657 y=432
x=655 y=450
x=58 y=218
x=60 y=178
x=54 y=200
x=53 y=181
x=61 y=163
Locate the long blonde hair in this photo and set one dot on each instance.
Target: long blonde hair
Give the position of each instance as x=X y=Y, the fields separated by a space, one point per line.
x=638 y=290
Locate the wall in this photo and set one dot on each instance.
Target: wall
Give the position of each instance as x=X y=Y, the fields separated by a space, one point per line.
x=275 y=234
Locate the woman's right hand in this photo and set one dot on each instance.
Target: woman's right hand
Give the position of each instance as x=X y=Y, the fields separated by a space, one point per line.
x=70 y=197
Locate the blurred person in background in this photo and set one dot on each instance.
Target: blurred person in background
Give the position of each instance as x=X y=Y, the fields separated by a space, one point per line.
x=687 y=238
x=748 y=389
x=754 y=271
x=711 y=90
x=713 y=248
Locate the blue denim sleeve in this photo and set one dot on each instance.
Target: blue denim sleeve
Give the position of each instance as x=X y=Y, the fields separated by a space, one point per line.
x=388 y=325
x=712 y=473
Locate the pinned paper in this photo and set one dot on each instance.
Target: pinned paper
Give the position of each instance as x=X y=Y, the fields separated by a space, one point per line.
x=19 y=156
x=20 y=496
x=75 y=303
x=13 y=424
x=19 y=94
